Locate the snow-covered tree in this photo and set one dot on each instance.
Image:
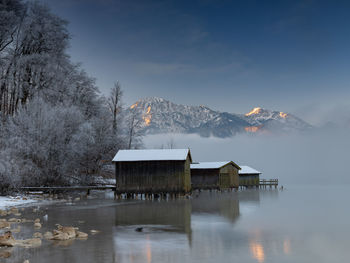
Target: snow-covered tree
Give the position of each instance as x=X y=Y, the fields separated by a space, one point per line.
x=115 y=104
x=11 y=13
x=39 y=137
x=133 y=126
x=55 y=127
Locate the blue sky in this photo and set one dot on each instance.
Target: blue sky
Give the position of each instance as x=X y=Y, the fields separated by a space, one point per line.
x=291 y=56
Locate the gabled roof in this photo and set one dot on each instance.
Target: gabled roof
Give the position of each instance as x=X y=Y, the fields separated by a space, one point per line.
x=248 y=170
x=152 y=155
x=212 y=165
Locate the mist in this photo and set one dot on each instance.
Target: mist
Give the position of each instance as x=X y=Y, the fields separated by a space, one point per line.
x=319 y=158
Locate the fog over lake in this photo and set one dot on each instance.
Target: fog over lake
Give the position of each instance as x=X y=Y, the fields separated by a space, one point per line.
x=308 y=221
x=319 y=157
x=299 y=224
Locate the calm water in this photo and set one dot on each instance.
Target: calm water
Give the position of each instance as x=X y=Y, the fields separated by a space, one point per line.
x=294 y=225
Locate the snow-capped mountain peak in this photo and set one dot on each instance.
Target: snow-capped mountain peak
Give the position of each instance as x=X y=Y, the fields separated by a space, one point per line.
x=254 y=111
x=159 y=115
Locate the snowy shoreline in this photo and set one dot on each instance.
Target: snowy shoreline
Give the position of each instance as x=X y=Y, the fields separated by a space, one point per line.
x=10 y=201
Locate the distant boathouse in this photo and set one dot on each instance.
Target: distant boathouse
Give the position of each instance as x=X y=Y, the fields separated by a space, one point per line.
x=153 y=171
x=249 y=177
x=214 y=175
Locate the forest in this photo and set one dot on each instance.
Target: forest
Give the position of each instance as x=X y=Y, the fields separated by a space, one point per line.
x=55 y=126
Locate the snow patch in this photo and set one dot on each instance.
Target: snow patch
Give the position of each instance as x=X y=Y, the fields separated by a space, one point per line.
x=8 y=201
x=208 y=165
x=248 y=170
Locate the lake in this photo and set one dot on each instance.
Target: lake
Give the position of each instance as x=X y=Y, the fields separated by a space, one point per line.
x=298 y=224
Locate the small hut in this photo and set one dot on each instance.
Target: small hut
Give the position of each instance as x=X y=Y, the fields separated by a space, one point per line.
x=214 y=175
x=153 y=171
x=249 y=177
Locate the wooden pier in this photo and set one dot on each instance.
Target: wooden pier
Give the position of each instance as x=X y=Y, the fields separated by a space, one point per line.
x=117 y=194
x=263 y=183
x=256 y=183
x=62 y=189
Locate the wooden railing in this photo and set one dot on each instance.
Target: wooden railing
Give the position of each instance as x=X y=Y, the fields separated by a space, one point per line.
x=262 y=183
x=268 y=182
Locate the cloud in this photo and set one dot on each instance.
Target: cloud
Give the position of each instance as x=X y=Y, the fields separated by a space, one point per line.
x=154 y=68
x=335 y=111
x=318 y=158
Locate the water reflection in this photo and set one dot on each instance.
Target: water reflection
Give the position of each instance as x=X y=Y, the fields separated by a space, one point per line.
x=257 y=251
x=246 y=226
x=207 y=228
x=225 y=205
x=155 y=217
x=148 y=250
x=286 y=246
x=140 y=227
x=181 y=229
x=263 y=246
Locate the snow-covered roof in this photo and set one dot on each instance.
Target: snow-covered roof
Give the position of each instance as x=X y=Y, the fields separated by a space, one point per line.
x=248 y=170
x=211 y=165
x=151 y=155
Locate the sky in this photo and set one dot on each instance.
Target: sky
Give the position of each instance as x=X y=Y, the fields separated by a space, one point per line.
x=291 y=56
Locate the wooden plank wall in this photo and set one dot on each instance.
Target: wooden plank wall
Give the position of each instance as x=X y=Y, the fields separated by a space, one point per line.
x=153 y=177
x=249 y=180
x=224 y=178
x=205 y=178
x=229 y=177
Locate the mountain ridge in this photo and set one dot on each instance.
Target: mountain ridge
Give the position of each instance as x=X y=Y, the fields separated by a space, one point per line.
x=158 y=115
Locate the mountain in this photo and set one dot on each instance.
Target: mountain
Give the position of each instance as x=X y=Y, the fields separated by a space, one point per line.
x=274 y=121
x=158 y=115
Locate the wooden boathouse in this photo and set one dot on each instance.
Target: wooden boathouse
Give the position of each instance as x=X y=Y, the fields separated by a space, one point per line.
x=153 y=171
x=249 y=177
x=214 y=175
